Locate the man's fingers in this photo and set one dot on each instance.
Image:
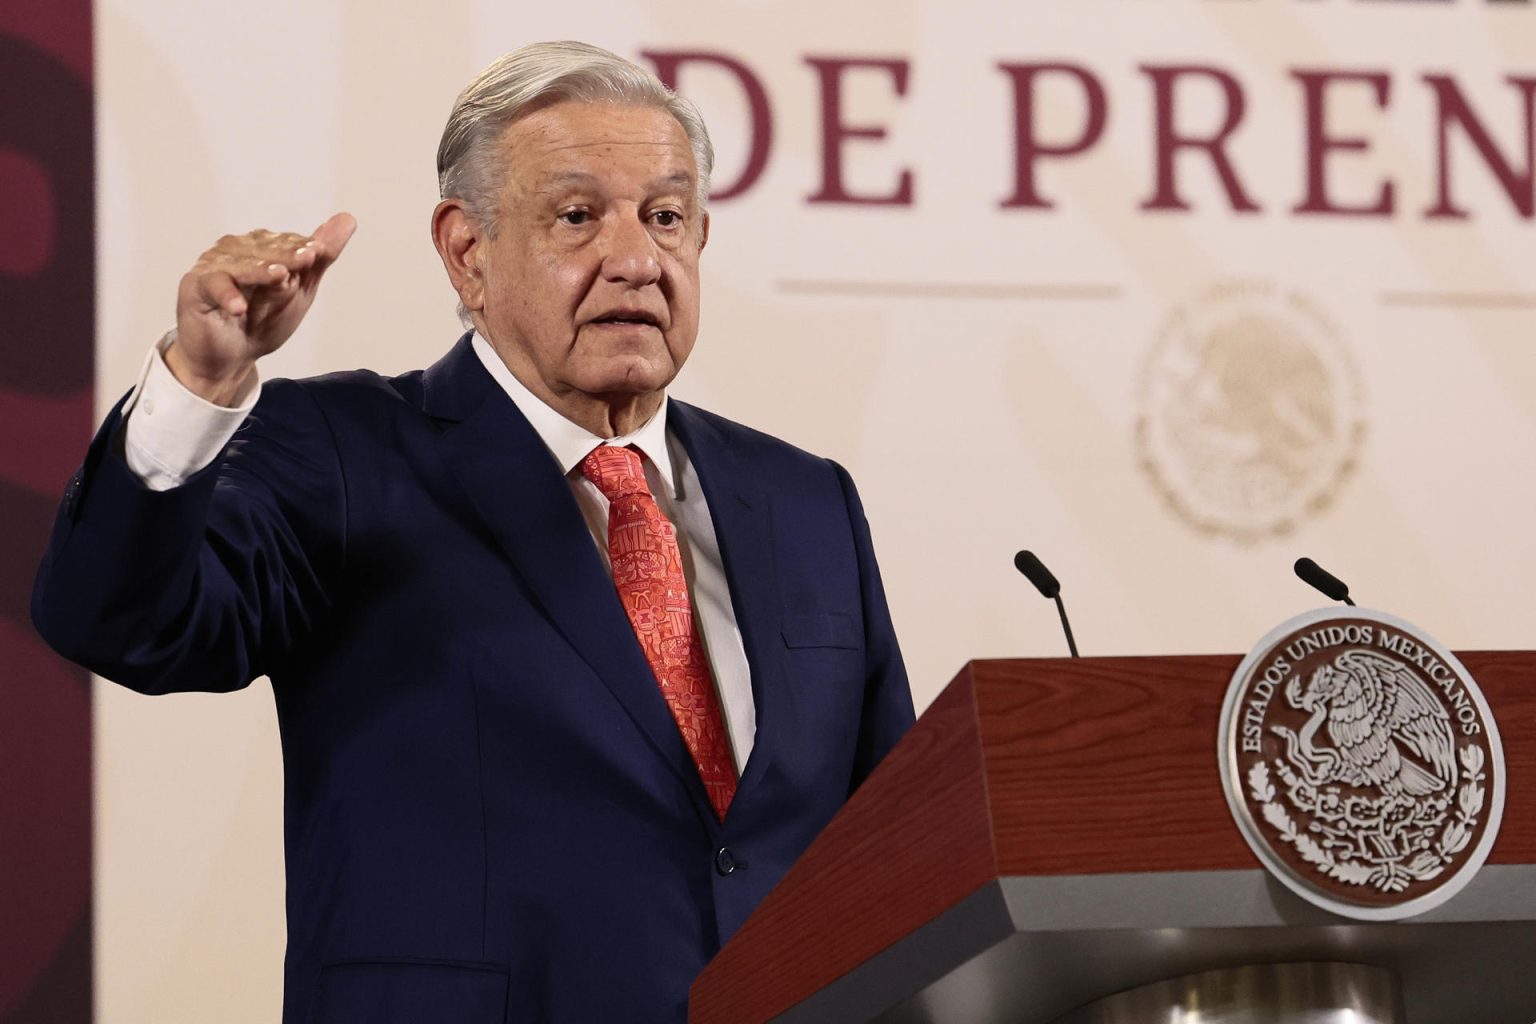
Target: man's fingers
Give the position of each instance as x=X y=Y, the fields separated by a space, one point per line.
x=247 y=272
x=241 y=268
x=218 y=290
x=225 y=284
x=291 y=249
x=332 y=237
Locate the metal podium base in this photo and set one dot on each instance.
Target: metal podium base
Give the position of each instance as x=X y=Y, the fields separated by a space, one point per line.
x=1306 y=993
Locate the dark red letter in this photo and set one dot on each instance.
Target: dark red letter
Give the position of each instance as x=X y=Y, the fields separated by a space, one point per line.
x=1027 y=148
x=834 y=132
x=667 y=66
x=1168 y=142
x=1314 y=84
x=1452 y=106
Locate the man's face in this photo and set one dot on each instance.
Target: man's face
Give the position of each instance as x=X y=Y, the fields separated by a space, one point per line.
x=591 y=281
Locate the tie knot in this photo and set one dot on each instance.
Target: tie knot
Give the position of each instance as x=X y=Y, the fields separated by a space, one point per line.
x=617 y=472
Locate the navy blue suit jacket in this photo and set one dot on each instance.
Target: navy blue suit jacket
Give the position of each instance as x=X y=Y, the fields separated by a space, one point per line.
x=490 y=815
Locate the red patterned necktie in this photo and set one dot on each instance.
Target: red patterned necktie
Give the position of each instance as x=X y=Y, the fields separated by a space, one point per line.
x=648 y=572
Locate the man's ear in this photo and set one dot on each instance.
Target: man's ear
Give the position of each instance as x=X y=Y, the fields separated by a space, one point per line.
x=703 y=231
x=460 y=242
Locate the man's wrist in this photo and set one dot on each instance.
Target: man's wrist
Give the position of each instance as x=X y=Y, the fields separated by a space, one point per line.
x=226 y=389
x=170 y=432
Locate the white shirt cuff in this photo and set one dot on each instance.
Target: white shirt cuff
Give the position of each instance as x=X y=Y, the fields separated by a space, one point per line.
x=171 y=433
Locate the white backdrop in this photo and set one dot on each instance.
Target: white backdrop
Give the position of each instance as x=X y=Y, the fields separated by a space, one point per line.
x=1168 y=405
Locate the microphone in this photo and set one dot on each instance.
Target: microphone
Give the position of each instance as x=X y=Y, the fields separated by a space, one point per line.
x=1040 y=576
x=1323 y=581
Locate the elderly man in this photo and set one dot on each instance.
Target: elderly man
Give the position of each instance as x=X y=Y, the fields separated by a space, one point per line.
x=568 y=673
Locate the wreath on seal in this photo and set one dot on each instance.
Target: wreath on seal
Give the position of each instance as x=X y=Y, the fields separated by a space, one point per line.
x=1386 y=875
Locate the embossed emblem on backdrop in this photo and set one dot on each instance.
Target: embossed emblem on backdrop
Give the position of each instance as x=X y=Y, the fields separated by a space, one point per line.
x=1248 y=418
x=1362 y=764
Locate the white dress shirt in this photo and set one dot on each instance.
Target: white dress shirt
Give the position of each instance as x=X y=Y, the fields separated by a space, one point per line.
x=171 y=433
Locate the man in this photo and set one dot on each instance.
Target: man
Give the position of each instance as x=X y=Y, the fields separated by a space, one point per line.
x=567 y=673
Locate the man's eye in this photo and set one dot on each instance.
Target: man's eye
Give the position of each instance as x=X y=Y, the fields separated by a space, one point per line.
x=575 y=217
x=667 y=218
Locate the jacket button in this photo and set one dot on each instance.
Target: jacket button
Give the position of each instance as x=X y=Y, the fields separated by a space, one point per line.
x=725 y=861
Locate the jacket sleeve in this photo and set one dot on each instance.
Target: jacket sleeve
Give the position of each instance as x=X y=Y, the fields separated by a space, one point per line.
x=207 y=585
x=887 y=713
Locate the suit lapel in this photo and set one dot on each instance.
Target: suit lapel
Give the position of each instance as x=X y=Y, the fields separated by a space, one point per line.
x=739 y=509
x=526 y=503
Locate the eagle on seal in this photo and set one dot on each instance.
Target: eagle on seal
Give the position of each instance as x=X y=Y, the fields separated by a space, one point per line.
x=1375 y=709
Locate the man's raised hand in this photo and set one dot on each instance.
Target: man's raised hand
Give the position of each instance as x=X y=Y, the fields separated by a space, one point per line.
x=243 y=298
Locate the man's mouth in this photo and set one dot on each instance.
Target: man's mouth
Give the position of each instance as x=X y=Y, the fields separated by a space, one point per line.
x=629 y=318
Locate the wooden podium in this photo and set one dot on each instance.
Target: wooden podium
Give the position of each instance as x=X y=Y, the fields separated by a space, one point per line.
x=1054 y=831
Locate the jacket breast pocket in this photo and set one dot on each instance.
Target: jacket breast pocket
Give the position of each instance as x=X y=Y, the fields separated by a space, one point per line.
x=411 y=992
x=821 y=629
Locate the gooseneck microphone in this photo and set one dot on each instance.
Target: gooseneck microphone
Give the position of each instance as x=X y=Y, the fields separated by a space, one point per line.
x=1040 y=576
x=1323 y=581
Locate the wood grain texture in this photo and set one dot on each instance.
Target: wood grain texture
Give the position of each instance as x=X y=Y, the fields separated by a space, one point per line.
x=1101 y=765
x=1508 y=681
x=1040 y=767
x=1108 y=765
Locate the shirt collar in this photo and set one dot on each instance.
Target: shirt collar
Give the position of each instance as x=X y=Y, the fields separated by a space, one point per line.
x=570 y=442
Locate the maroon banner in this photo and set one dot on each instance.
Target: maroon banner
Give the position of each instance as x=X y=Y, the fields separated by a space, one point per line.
x=47 y=352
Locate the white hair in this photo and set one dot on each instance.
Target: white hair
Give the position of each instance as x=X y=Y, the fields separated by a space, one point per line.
x=540 y=73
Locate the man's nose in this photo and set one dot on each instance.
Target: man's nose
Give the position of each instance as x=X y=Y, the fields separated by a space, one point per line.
x=629 y=252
